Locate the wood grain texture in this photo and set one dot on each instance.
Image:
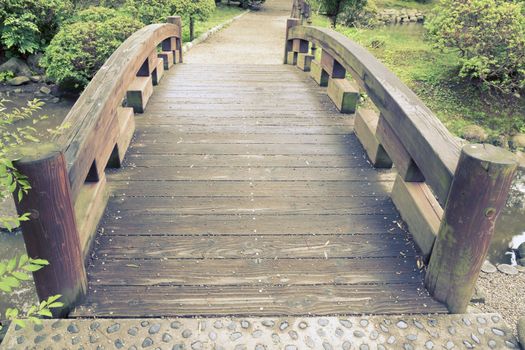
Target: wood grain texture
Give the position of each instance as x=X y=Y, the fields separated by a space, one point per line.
x=235 y=203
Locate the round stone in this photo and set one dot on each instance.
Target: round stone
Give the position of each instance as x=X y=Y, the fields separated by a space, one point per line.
x=510 y=345
x=196 y=345
x=359 y=334
x=268 y=323
x=235 y=336
x=321 y=333
x=166 y=338
x=257 y=334
x=133 y=331
x=93 y=338
x=498 y=331
x=41 y=338
x=309 y=342
x=218 y=324
x=468 y=345
x=154 y=329
x=492 y=344
x=364 y=347
x=507 y=269
x=293 y=335
x=178 y=347
x=147 y=342
x=260 y=347
x=245 y=324
x=363 y=323
x=487 y=267
x=56 y=338
x=283 y=325
x=322 y=322
x=418 y=324
x=339 y=332
x=402 y=325
x=466 y=321
x=240 y=347
x=391 y=340
x=144 y=323
x=412 y=337
x=232 y=326
x=175 y=324
x=450 y=345
x=275 y=338
x=290 y=347
x=347 y=345
x=408 y=347
x=38 y=327
x=346 y=323
x=481 y=320
x=58 y=324
x=383 y=328
x=451 y=330
x=303 y=325
x=186 y=333
x=327 y=346
x=475 y=338
x=113 y=328
x=374 y=335
x=119 y=344
x=429 y=345
x=73 y=328
x=495 y=318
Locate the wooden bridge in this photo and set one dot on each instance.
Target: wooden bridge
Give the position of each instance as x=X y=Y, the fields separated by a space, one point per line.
x=255 y=190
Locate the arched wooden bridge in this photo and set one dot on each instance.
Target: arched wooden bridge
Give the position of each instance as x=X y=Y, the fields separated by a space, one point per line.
x=253 y=189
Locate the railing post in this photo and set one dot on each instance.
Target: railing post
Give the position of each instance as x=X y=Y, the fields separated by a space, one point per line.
x=288 y=44
x=478 y=193
x=177 y=20
x=51 y=233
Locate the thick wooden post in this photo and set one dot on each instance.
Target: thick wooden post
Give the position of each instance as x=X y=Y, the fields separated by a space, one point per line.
x=177 y=20
x=51 y=233
x=477 y=195
x=288 y=44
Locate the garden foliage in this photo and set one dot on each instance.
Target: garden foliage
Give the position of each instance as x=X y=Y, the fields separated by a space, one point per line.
x=27 y=26
x=490 y=37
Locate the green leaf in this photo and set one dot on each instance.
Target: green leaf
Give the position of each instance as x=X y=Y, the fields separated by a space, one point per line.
x=23 y=260
x=55 y=305
x=32 y=268
x=11 y=281
x=11 y=265
x=20 y=323
x=21 y=276
x=45 y=312
x=39 y=262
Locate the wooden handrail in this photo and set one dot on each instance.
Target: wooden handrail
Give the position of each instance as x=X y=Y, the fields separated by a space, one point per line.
x=432 y=147
x=69 y=193
x=450 y=196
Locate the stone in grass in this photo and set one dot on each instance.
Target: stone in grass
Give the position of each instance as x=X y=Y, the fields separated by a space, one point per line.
x=17 y=81
x=487 y=267
x=521 y=331
x=45 y=90
x=507 y=269
x=475 y=133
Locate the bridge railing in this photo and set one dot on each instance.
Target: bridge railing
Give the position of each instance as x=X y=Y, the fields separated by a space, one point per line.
x=67 y=176
x=449 y=195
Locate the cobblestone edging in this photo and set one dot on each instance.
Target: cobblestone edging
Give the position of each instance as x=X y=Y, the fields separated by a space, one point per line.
x=204 y=36
x=482 y=331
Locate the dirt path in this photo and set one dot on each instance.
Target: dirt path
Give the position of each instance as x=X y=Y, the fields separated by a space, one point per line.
x=262 y=31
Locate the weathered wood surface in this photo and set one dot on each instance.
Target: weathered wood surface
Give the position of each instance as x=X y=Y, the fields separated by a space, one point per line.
x=479 y=193
x=234 y=204
x=432 y=147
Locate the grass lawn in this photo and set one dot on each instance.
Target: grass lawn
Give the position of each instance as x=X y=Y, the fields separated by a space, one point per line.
x=403 y=4
x=433 y=76
x=221 y=14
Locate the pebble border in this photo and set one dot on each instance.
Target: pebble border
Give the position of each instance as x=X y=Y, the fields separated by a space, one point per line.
x=482 y=331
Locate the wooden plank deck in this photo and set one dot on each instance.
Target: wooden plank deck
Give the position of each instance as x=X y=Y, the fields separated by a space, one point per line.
x=246 y=193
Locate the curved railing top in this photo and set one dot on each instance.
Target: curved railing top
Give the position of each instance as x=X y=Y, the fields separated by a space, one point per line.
x=433 y=148
x=96 y=106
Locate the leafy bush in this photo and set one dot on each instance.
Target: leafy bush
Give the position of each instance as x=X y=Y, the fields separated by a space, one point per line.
x=334 y=8
x=5 y=76
x=78 y=51
x=193 y=10
x=27 y=26
x=490 y=37
x=149 y=11
x=95 y=14
x=361 y=13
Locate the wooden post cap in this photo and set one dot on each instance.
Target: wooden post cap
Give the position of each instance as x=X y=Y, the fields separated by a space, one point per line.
x=490 y=154
x=35 y=152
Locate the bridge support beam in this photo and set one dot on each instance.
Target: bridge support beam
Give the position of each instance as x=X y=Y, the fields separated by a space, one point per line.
x=478 y=193
x=51 y=233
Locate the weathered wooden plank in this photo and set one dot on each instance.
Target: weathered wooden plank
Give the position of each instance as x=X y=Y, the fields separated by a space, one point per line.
x=253 y=174
x=344 y=94
x=139 y=92
x=365 y=128
x=197 y=127
x=263 y=247
x=243 y=123
x=209 y=224
x=149 y=65
x=318 y=74
x=89 y=208
x=331 y=66
x=301 y=46
x=158 y=73
x=233 y=149
x=255 y=271
x=143 y=301
x=212 y=189
x=304 y=61
x=420 y=210
x=404 y=163
x=245 y=205
x=126 y=119
x=250 y=160
x=167 y=58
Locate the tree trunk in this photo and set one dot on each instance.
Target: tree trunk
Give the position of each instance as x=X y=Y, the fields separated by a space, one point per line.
x=192 y=28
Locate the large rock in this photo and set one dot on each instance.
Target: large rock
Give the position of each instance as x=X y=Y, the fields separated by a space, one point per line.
x=16 y=66
x=475 y=133
x=17 y=81
x=518 y=140
x=34 y=63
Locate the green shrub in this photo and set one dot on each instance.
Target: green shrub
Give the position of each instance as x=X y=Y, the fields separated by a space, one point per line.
x=350 y=8
x=78 y=51
x=27 y=26
x=193 y=10
x=149 y=11
x=490 y=38
x=95 y=14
